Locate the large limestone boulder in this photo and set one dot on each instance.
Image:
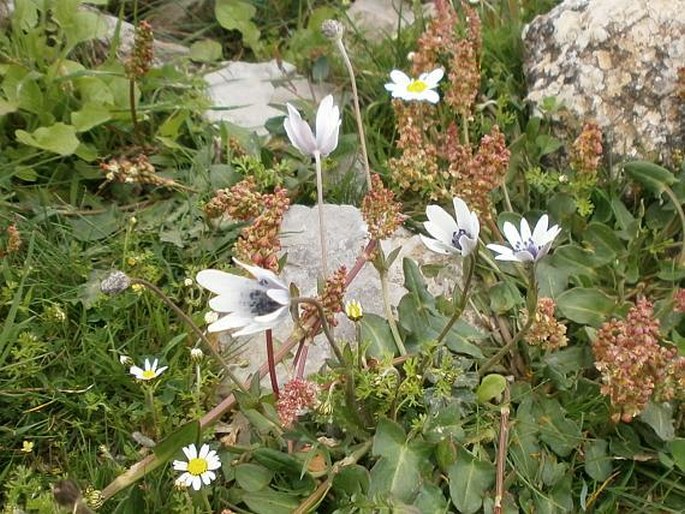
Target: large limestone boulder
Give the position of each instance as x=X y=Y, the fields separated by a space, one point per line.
x=614 y=61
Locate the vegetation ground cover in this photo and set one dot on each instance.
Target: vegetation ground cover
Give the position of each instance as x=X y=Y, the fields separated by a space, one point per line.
x=562 y=393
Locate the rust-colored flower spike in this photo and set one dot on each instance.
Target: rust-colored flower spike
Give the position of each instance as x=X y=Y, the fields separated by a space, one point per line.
x=140 y=61
x=679 y=300
x=259 y=242
x=439 y=34
x=242 y=201
x=381 y=212
x=296 y=398
x=332 y=297
x=138 y=170
x=586 y=151
x=13 y=241
x=546 y=331
x=475 y=180
x=631 y=361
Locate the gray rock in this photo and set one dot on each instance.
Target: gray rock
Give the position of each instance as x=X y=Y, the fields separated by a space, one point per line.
x=378 y=19
x=616 y=62
x=248 y=94
x=346 y=237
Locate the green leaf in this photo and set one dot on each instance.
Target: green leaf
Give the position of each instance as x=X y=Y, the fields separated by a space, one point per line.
x=58 y=138
x=183 y=436
x=597 y=459
x=469 y=479
x=351 y=480
x=654 y=177
x=237 y=15
x=677 y=449
x=398 y=472
x=492 y=386
x=252 y=477
x=205 y=50
x=603 y=242
x=376 y=332
x=430 y=499
x=585 y=305
x=96 y=227
x=560 y=433
x=659 y=416
x=504 y=296
x=7 y=107
x=415 y=284
x=551 y=280
x=91 y=115
x=271 y=502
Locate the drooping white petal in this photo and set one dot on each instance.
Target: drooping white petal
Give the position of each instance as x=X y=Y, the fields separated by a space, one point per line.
x=437 y=246
x=512 y=235
x=299 y=132
x=136 y=371
x=429 y=95
x=279 y=295
x=161 y=370
x=262 y=274
x=467 y=244
x=197 y=482
x=505 y=253
x=446 y=223
x=229 y=303
x=220 y=282
x=228 y=322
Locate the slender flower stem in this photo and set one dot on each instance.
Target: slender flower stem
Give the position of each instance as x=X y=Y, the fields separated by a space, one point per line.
x=381 y=267
x=322 y=228
x=271 y=362
x=464 y=296
x=150 y=402
x=531 y=302
x=324 y=323
x=132 y=103
x=193 y=327
x=357 y=110
x=198 y=384
x=502 y=451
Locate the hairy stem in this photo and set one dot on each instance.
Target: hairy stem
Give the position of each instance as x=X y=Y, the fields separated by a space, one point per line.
x=271 y=362
x=322 y=227
x=357 y=111
x=464 y=297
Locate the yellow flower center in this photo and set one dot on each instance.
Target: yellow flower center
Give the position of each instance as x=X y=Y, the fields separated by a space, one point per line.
x=197 y=466
x=148 y=374
x=417 y=86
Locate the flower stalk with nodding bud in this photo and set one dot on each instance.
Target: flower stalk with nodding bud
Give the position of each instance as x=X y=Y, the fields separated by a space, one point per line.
x=320 y=145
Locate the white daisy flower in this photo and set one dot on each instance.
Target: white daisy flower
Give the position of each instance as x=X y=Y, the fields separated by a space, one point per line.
x=249 y=304
x=423 y=88
x=199 y=468
x=150 y=371
x=526 y=247
x=451 y=235
x=327 y=126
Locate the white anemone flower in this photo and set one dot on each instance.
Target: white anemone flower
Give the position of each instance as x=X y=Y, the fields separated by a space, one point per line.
x=526 y=246
x=252 y=305
x=199 y=468
x=327 y=126
x=149 y=372
x=421 y=89
x=451 y=235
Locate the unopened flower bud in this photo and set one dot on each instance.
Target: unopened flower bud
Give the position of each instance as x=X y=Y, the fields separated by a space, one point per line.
x=333 y=29
x=354 y=310
x=125 y=360
x=115 y=283
x=196 y=354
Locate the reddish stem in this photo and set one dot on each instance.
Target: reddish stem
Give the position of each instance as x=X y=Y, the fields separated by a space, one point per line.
x=271 y=363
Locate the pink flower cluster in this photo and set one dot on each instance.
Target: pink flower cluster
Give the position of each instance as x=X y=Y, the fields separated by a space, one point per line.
x=296 y=398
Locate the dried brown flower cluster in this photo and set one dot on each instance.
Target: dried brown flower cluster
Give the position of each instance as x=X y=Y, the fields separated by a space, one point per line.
x=296 y=398
x=381 y=212
x=546 y=331
x=12 y=241
x=586 y=151
x=438 y=161
x=332 y=296
x=140 y=61
x=454 y=42
x=138 y=170
x=679 y=300
x=258 y=242
x=634 y=366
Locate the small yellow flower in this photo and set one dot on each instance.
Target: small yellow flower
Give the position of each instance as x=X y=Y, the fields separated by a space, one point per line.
x=27 y=446
x=354 y=310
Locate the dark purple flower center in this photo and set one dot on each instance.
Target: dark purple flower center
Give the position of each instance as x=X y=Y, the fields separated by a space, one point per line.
x=260 y=304
x=456 y=236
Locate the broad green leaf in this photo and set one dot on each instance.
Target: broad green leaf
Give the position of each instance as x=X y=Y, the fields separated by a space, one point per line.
x=277 y=461
x=237 y=15
x=252 y=477
x=575 y=261
x=183 y=436
x=351 y=480
x=398 y=472
x=91 y=115
x=96 y=227
x=415 y=284
x=7 y=107
x=560 y=433
x=551 y=280
x=430 y=499
x=271 y=502
x=597 y=459
x=205 y=50
x=677 y=449
x=659 y=416
x=492 y=386
x=547 y=144
x=584 y=305
x=58 y=138
x=603 y=242
x=524 y=444
x=504 y=296
x=470 y=479
x=654 y=177
x=376 y=333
